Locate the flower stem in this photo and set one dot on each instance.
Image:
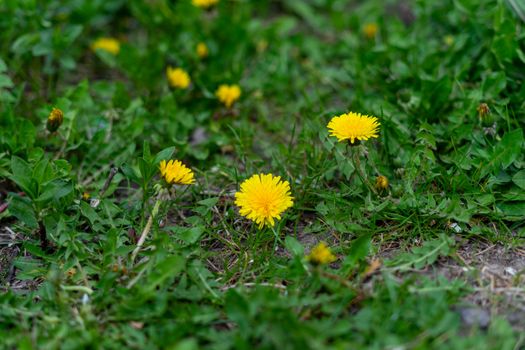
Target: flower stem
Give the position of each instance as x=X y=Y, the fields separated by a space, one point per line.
x=277 y=239
x=146 y=230
x=357 y=165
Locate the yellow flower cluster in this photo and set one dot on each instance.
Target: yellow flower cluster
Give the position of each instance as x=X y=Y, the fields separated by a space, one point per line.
x=262 y=198
x=178 y=78
x=110 y=45
x=204 y=3
x=228 y=94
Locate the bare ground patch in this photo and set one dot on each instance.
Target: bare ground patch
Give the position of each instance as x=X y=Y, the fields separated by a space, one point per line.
x=495 y=275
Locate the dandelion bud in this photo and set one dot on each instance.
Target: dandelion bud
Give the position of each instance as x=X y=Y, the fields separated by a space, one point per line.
x=483 y=110
x=55 y=119
x=381 y=183
x=484 y=114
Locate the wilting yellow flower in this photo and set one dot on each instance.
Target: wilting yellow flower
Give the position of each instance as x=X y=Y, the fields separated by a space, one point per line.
x=228 y=94
x=321 y=254
x=381 y=183
x=174 y=172
x=370 y=30
x=352 y=126
x=178 y=78
x=71 y=272
x=204 y=3
x=55 y=119
x=202 y=50
x=110 y=45
x=263 y=198
x=483 y=110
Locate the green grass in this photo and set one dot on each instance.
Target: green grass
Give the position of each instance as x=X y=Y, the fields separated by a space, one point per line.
x=207 y=278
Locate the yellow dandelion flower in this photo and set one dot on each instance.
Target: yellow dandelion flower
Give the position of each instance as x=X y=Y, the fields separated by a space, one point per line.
x=352 y=126
x=381 y=183
x=263 y=198
x=110 y=45
x=370 y=30
x=55 y=119
x=204 y=3
x=174 y=172
x=178 y=78
x=321 y=254
x=228 y=94
x=202 y=50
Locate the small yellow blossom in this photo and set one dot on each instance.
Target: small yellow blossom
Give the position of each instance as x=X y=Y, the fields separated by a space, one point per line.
x=263 y=198
x=228 y=94
x=321 y=254
x=174 y=172
x=110 y=45
x=370 y=30
x=86 y=196
x=204 y=3
x=202 y=50
x=448 y=40
x=381 y=183
x=55 y=119
x=178 y=78
x=352 y=126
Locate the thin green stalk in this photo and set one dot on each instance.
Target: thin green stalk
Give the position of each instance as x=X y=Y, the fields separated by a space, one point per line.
x=356 y=160
x=146 y=230
x=277 y=239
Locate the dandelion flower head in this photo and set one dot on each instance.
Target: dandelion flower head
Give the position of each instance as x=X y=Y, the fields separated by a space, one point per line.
x=202 y=50
x=370 y=30
x=263 y=198
x=178 y=78
x=352 y=126
x=55 y=119
x=204 y=3
x=381 y=183
x=228 y=94
x=110 y=45
x=321 y=254
x=174 y=172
